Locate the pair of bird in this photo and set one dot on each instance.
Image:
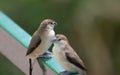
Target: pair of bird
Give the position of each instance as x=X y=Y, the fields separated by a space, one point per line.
x=64 y=54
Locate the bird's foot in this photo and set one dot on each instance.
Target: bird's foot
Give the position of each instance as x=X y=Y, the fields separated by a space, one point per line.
x=46 y=55
x=68 y=73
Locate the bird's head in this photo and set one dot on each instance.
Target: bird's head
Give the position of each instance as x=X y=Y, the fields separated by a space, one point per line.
x=48 y=24
x=60 y=40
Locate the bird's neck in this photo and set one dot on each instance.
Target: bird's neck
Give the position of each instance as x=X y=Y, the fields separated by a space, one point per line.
x=61 y=47
x=48 y=35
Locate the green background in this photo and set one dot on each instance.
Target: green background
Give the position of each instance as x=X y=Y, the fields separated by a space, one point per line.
x=92 y=27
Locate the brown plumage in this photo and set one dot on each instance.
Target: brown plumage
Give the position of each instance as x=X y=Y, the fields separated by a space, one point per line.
x=39 y=35
x=41 y=40
x=66 y=56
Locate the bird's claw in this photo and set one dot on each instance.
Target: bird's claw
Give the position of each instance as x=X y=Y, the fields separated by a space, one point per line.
x=67 y=73
x=46 y=55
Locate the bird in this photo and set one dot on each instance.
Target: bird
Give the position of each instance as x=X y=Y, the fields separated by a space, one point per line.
x=41 y=41
x=66 y=56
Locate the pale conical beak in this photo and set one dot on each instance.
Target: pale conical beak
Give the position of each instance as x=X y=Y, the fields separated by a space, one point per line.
x=54 y=39
x=55 y=23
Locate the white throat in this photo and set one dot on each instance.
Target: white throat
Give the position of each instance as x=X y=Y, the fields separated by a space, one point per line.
x=58 y=46
x=51 y=34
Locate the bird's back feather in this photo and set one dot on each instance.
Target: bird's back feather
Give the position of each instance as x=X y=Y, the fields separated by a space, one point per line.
x=34 y=43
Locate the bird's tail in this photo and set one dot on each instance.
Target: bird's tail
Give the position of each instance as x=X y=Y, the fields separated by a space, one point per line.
x=30 y=66
x=82 y=72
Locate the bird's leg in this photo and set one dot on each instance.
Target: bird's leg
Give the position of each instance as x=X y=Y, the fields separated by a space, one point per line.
x=67 y=73
x=47 y=55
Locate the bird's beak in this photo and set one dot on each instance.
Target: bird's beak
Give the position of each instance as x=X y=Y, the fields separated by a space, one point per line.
x=55 y=23
x=54 y=39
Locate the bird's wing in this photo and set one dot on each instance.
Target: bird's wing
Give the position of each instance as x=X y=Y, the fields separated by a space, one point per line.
x=34 y=43
x=74 y=59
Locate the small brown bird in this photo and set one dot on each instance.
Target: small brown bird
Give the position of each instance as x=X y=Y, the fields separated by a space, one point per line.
x=41 y=41
x=66 y=56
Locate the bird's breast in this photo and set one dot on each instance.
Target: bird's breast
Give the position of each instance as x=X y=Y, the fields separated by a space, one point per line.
x=51 y=35
x=60 y=57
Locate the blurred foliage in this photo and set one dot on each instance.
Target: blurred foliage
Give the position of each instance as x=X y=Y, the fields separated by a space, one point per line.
x=30 y=13
x=92 y=27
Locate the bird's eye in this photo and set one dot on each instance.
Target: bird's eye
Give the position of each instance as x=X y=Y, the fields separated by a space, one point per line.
x=59 y=39
x=51 y=23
